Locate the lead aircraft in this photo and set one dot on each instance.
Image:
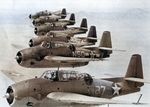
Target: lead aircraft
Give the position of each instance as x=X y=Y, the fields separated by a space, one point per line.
x=71 y=88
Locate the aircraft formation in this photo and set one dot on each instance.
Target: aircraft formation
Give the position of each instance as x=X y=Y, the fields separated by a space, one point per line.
x=55 y=46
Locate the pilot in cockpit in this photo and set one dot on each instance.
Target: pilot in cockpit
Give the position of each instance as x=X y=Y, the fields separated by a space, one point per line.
x=51 y=75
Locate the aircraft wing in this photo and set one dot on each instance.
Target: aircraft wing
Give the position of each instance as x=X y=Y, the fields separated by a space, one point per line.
x=18 y=47
x=73 y=98
x=15 y=76
x=57 y=12
x=69 y=59
x=82 y=44
x=64 y=33
x=61 y=24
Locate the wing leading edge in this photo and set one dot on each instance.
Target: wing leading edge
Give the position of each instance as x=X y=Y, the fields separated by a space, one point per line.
x=15 y=76
x=73 y=98
x=69 y=59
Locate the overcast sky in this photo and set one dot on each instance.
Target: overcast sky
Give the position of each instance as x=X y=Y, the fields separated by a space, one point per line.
x=21 y=6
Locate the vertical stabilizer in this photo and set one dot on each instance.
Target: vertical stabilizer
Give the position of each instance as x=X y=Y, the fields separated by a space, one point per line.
x=105 y=44
x=92 y=32
x=106 y=40
x=135 y=68
x=63 y=13
x=72 y=19
x=84 y=23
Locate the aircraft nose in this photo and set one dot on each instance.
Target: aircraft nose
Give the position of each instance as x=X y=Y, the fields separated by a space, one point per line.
x=30 y=16
x=18 y=57
x=35 y=30
x=9 y=95
x=30 y=42
x=33 y=22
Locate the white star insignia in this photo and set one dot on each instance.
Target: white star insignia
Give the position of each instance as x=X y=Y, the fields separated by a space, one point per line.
x=116 y=89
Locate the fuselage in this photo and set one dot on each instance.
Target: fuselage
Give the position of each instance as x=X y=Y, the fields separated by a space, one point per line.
x=37 y=89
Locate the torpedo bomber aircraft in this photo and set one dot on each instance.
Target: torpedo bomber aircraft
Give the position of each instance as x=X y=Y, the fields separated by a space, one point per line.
x=51 y=54
x=48 y=21
x=42 y=30
x=91 y=39
x=71 y=88
x=58 y=14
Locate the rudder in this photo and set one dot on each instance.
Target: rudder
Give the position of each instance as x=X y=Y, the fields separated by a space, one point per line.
x=63 y=13
x=72 y=19
x=106 y=40
x=105 y=44
x=135 y=69
x=92 y=32
x=84 y=23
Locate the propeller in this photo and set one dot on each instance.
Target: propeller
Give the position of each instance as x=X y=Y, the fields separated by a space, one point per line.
x=9 y=95
x=33 y=22
x=35 y=30
x=30 y=16
x=19 y=57
x=30 y=42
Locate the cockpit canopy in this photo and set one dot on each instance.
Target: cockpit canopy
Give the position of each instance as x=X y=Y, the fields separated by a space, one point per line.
x=50 y=75
x=63 y=75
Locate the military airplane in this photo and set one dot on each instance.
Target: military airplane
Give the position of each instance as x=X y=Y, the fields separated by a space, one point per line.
x=51 y=54
x=71 y=88
x=59 y=14
x=54 y=22
x=42 y=30
x=91 y=39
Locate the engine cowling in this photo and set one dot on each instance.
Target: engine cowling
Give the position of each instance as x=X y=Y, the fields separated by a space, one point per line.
x=9 y=95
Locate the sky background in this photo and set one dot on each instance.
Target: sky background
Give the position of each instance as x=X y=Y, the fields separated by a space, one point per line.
x=128 y=22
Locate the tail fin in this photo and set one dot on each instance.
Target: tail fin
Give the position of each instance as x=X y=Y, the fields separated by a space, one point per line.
x=72 y=19
x=84 y=23
x=63 y=13
x=135 y=69
x=106 y=40
x=105 y=44
x=92 y=33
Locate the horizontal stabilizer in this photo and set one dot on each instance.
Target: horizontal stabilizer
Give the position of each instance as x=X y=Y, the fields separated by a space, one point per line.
x=90 y=38
x=137 y=80
x=83 y=28
x=105 y=48
x=71 y=21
